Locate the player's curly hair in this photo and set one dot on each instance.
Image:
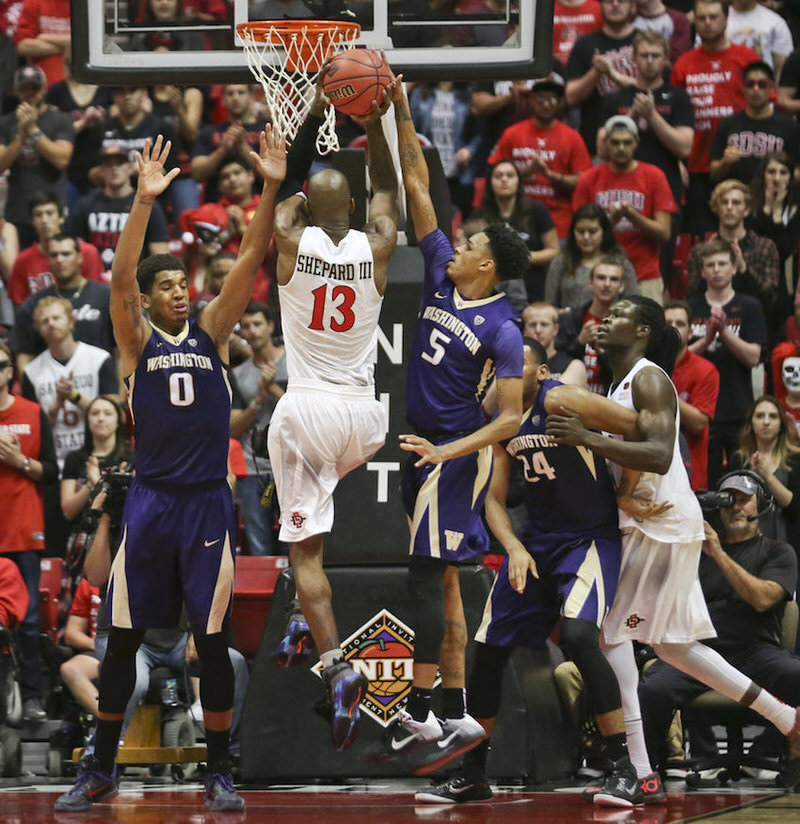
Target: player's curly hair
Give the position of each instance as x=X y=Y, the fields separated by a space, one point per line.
x=151 y=266
x=509 y=250
x=664 y=341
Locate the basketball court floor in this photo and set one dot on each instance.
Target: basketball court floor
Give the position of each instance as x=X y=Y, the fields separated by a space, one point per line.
x=374 y=802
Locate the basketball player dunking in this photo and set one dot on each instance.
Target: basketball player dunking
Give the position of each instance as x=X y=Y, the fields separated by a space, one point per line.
x=178 y=525
x=331 y=281
x=659 y=600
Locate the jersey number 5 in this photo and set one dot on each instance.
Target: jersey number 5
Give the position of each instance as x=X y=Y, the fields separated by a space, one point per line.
x=347 y=297
x=436 y=340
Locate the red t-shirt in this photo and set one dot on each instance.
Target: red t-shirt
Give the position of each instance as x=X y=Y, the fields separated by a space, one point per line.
x=697 y=382
x=22 y=522
x=45 y=17
x=31 y=270
x=570 y=23
x=590 y=361
x=713 y=80
x=85 y=604
x=646 y=188
x=560 y=147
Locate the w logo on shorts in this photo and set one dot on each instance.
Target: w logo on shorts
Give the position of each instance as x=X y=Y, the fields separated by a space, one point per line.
x=453 y=539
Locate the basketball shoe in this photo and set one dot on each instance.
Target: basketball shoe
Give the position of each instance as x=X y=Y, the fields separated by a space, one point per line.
x=459 y=735
x=92 y=784
x=345 y=689
x=297 y=643
x=792 y=772
x=403 y=737
x=651 y=786
x=221 y=795
x=457 y=790
x=621 y=787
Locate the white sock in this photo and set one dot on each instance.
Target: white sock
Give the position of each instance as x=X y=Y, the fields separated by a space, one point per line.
x=620 y=657
x=708 y=666
x=331 y=657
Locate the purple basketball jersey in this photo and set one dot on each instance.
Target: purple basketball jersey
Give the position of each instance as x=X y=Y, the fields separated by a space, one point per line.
x=459 y=346
x=180 y=400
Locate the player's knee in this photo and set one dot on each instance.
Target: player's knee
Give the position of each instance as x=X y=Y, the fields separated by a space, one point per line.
x=425 y=586
x=674 y=654
x=486 y=679
x=579 y=638
x=124 y=643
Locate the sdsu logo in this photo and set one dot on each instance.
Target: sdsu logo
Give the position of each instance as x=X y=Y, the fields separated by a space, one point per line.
x=382 y=651
x=633 y=621
x=296 y=520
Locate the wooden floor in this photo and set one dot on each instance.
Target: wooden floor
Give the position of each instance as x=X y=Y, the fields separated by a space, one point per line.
x=141 y=802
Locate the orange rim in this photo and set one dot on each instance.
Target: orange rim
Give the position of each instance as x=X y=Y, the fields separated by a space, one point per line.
x=301 y=52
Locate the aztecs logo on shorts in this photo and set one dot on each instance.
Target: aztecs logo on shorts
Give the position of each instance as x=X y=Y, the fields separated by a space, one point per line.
x=633 y=621
x=296 y=520
x=382 y=650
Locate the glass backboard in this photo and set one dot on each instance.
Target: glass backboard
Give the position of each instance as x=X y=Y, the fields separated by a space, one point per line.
x=118 y=42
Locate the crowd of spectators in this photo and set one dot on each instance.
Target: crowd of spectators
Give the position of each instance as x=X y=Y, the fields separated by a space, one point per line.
x=658 y=157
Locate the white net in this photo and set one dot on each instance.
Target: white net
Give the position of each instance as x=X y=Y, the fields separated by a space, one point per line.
x=286 y=61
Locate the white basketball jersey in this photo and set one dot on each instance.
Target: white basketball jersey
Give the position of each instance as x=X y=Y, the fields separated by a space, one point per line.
x=682 y=523
x=330 y=310
x=44 y=372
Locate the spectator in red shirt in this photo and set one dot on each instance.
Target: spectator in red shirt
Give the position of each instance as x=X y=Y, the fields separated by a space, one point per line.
x=43 y=35
x=549 y=154
x=638 y=200
x=31 y=272
x=712 y=75
x=696 y=380
x=27 y=458
x=571 y=20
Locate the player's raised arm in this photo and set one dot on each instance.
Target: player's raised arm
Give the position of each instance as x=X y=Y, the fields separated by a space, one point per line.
x=381 y=228
x=130 y=326
x=291 y=210
x=415 y=170
x=224 y=312
x=595 y=411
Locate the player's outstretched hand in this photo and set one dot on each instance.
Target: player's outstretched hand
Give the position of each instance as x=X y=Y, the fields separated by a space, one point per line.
x=640 y=508
x=566 y=428
x=428 y=452
x=378 y=110
x=270 y=160
x=520 y=563
x=153 y=180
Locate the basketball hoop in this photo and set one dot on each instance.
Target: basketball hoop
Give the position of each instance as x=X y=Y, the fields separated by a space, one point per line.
x=286 y=56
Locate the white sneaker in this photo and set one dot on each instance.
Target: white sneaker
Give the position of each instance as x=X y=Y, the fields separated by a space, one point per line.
x=459 y=735
x=404 y=736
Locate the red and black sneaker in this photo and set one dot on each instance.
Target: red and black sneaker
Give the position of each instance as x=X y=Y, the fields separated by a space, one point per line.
x=653 y=789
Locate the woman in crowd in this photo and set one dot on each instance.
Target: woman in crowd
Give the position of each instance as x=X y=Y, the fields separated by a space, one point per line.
x=764 y=448
x=105 y=449
x=590 y=237
x=504 y=202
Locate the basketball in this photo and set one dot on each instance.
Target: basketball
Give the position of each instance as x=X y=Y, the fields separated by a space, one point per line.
x=354 y=79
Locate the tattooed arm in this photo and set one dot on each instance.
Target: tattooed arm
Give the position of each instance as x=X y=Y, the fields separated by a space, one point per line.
x=412 y=162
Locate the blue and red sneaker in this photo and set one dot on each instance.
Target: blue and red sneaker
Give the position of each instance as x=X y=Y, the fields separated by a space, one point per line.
x=346 y=688
x=297 y=643
x=92 y=784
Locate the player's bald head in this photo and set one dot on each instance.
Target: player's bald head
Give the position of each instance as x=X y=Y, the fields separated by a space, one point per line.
x=328 y=191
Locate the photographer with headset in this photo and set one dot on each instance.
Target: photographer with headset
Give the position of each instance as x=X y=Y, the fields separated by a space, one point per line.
x=747 y=579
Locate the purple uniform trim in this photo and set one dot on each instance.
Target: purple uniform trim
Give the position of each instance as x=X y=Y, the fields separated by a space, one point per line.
x=459 y=345
x=174 y=544
x=527 y=619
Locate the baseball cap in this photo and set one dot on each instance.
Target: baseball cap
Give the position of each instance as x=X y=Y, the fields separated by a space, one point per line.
x=621 y=123
x=741 y=483
x=112 y=149
x=553 y=81
x=29 y=75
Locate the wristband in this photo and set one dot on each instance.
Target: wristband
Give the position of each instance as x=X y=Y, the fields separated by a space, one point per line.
x=26 y=464
x=75 y=396
x=35 y=134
